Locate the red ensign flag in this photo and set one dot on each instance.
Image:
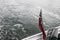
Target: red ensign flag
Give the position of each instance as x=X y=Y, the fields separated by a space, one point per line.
x=41 y=25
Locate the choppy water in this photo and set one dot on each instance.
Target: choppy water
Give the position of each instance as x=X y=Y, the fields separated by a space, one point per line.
x=26 y=14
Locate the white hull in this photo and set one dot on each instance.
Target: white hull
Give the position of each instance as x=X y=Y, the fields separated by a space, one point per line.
x=39 y=35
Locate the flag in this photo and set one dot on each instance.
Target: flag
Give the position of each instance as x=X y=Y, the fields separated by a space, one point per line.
x=41 y=25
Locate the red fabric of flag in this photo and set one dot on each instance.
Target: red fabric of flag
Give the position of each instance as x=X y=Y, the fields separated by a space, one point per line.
x=41 y=26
